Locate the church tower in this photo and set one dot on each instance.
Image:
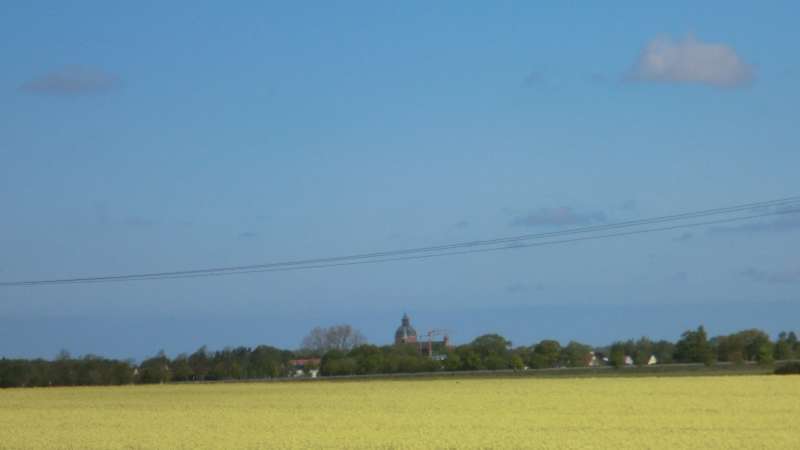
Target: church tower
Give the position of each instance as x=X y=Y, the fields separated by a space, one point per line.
x=405 y=334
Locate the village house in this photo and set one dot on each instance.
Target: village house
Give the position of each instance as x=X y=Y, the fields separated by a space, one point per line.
x=307 y=367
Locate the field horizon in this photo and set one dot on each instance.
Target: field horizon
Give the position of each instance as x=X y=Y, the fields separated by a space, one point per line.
x=622 y=412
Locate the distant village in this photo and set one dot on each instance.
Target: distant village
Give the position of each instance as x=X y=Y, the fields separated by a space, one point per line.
x=695 y=347
x=341 y=350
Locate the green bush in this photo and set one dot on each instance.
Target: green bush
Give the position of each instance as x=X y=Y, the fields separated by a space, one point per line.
x=789 y=369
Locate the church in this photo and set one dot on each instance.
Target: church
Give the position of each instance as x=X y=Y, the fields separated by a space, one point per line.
x=406 y=334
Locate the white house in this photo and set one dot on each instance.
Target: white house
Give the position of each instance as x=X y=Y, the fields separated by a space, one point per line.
x=628 y=360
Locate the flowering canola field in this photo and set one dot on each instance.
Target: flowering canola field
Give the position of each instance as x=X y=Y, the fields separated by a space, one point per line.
x=681 y=412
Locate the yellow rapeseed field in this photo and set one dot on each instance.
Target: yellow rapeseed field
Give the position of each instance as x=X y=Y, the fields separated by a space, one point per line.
x=698 y=413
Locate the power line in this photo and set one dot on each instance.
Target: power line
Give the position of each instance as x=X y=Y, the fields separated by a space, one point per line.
x=478 y=243
x=498 y=244
x=423 y=256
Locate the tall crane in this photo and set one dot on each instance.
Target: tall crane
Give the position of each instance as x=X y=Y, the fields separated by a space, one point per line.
x=437 y=332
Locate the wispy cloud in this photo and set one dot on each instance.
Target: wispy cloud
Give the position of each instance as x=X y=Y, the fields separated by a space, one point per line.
x=629 y=206
x=563 y=216
x=598 y=77
x=679 y=277
x=689 y=60
x=533 y=79
x=521 y=288
x=461 y=224
x=105 y=217
x=72 y=81
x=516 y=288
x=139 y=222
x=771 y=277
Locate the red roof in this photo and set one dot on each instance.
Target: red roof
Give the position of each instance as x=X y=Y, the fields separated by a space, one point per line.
x=303 y=362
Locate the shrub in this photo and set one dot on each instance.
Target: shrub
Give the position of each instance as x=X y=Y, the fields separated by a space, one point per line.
x=788 y=369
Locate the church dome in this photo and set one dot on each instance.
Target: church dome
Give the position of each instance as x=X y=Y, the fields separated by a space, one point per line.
x=405 y=333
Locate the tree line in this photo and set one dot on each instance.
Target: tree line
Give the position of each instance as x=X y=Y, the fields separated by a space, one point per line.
x=342 y=350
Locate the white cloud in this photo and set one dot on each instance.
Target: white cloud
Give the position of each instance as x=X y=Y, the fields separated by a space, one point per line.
x=691 y=61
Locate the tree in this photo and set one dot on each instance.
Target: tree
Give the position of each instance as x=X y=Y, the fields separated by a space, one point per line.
x=453 y=361
x=491 y=344
x=337 y=337
x=14 y=373
x=764 y=355
x=493 y=351
x=91 y=371
x=122 y=372
x=266 y=361
x=576 y=354
x=753 y=340
x=616 y=355
x=336 y=362
x=155 y=369
x=630 y=348
x=729 y=348
x=200 y=363
x=792 y=340
x=545 y=355
x=496 y=362
x=643 y=351
x=746 y=345
x=369 y=359
x=181 y=370
x=664 y=351
x=693 y=347
x=516 y=362
x=64 y=369
x=783 y=348
x=470 y=359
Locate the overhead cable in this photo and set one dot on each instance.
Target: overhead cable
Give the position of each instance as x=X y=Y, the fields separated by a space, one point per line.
x=770 y=208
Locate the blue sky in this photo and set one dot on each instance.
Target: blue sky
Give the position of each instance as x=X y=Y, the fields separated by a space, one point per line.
x=149 y=137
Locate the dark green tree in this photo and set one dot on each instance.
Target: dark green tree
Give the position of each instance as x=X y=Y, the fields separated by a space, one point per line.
x=267 y=362
x=181 y=370
x=792 y=340
x=765 y=356
x=369 y=359
x=491 y=344
x=453 y=361
x=497 y=362
x=643 y=351
x=616 y=355
x=64 y=373
x=754 y=341
x=200 y=363
x=783 y=348
x=664 y=351
x=155 y=369
x=546 y=354
x=516 y=362
x=729 y=348
x=576 y=354
x=693 y=347
x=336 y=362
x=470 y=359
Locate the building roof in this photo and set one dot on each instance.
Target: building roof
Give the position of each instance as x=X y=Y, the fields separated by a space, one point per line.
x=405 y=330
x=303 y=362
